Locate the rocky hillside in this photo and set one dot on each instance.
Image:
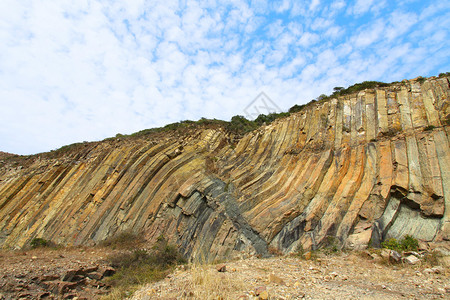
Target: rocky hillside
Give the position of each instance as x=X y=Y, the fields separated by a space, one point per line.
x=348 y=171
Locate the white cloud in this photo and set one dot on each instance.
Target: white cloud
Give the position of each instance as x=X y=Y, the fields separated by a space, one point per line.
x=361 y=6
x=399 y=24
x=334 y=32
x=314 y=5
x=275 y=29
x=370 y=35
x=308 y=39
x=85 y=70
x=337 y=5
x=282 y=6
x=321 y=23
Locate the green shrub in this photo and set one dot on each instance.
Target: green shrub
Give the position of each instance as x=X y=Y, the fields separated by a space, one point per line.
x=339 y=91
x=141 y=266
x=39 y=242
x=240 y=124
x=267 y=119
x=69 y=148
x=297 y=108
x=122 y=240
x=322 y=97
x=129 y=259
x=421 y=79
x=392 y=244
x=408 y=243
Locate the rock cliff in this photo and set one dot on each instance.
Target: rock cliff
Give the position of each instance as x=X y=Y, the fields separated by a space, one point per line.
x=351 y=170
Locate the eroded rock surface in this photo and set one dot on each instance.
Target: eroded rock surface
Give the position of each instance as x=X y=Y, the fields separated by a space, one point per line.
x=360 y=168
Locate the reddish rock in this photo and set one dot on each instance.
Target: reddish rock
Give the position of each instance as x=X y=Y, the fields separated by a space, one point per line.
x=259 y=290
x=69 y=275
x=84 y=271
x=221 y=268
x=107 y=271
x=48 y=277
x=95 y=275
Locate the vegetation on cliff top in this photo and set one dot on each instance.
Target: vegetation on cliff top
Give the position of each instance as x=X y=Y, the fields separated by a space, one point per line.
x=238 y=125
x=241 y=125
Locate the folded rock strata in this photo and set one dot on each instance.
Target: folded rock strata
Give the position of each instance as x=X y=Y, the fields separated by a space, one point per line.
x=352 y=170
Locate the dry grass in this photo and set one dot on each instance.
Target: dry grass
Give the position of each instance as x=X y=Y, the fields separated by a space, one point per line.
x=210 y=284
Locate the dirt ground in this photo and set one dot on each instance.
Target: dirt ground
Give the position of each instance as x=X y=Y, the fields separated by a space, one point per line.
x=78 y=273
x=343 y=276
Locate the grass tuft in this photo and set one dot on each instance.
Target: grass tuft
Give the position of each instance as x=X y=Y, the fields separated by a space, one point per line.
x=122 y=240
x=140 y=266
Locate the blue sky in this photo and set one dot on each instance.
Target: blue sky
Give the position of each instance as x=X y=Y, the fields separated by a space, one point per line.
x=73 y=71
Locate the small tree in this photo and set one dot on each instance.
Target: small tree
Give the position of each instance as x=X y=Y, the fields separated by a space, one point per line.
x=321 y=97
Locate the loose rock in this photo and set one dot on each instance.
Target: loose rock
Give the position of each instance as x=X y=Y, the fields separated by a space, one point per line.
x=307 y=255
x=259 y=290
x=412 y=260
x=394 y=256
x=221 y=268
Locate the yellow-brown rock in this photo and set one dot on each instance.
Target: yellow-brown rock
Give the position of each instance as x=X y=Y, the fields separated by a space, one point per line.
x=363 y=167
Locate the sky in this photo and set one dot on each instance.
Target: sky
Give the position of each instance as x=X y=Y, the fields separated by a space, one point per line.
x=74 y=71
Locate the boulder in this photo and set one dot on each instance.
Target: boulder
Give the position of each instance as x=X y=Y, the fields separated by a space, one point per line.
x=411 y=260
x=95 y=275
x=259 y=290
x=394 y=257
x=107 y=271
x=385 y=253
x=221 y=268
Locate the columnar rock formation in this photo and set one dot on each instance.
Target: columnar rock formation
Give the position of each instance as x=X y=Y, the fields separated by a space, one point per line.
x=360 y=168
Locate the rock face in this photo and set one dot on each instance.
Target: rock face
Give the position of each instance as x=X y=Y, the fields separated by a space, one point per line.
x=360 y=168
